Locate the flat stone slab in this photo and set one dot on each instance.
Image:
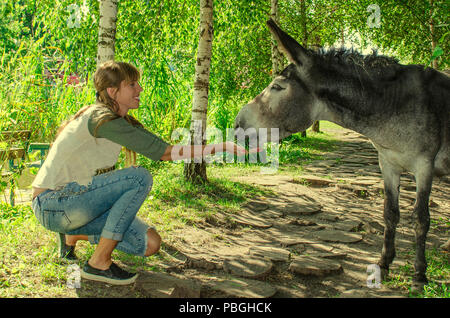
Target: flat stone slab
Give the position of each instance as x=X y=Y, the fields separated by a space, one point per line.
x=248 y=219
x=246 y=288
x=374 y=227
x=313 y=181
x=330 y=255
x=196 y=261
x=364 y=293
x=254 y=267
x=160 y=285
x=329 y=217
x=272 y=253
x=270 y=214
x=348 y=225
x=446 y=246
x=303 y=223
x=286 y=241
x=256 y=206
x=359 y=191
x=298 y=209
x=336 y=236
x=316 y=266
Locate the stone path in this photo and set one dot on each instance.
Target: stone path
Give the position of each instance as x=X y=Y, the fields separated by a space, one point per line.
x=315 y=237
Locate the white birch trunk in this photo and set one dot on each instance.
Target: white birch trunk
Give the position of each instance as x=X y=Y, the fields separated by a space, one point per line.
x=277 y=57
x=106 y=31
x=433 y=37
x=106 y=49
x=196 y=169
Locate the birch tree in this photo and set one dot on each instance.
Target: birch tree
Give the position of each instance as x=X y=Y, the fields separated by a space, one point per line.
x=434 y=62
x=195 y=170
x=277 y=57
x=106 y=49
x=107 y=31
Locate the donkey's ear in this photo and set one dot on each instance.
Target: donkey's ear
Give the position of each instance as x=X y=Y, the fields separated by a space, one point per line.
x=294 y=51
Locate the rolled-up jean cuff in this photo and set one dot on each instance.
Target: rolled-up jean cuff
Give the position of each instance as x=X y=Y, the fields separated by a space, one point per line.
x=112 y=235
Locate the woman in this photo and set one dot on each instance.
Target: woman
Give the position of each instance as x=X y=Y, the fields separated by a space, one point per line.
x=79 y=194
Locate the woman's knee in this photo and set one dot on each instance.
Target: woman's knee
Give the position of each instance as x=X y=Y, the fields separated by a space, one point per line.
x=145 y=177
x=153 y=242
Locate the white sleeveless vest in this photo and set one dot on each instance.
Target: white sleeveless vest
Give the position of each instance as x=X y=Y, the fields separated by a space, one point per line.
x=76 y=155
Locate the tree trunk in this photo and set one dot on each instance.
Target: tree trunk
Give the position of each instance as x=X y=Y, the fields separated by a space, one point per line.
x=317 y=47
x=316 y=127
x=106 y=31
x=277 y=57
x=304 y=20
x=106 y=49
x=195 y=170
x=433 y=36
x=305 y=32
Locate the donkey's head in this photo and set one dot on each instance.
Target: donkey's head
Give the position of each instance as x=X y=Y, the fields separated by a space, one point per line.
x=288 y=103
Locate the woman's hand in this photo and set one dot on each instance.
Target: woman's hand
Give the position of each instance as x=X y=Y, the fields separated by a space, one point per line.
x=233 y=148
x=185 y=152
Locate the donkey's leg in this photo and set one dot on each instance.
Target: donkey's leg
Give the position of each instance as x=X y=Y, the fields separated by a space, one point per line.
x=421 y=220
x=391 y=176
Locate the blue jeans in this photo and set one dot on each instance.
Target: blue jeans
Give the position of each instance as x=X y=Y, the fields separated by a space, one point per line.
x=107 y=208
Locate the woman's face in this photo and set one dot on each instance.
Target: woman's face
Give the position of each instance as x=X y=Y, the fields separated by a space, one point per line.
x=127 y=96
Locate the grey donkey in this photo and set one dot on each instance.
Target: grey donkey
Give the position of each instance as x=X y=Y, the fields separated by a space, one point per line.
x=403 y=109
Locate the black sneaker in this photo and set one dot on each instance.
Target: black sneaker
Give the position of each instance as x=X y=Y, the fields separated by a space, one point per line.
x=66 y=252
x=113 y=275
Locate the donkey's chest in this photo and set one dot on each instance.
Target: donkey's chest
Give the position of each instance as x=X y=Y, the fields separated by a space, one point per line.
x=404 y=161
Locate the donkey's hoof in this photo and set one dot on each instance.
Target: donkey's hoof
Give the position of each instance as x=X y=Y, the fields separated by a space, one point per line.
x=417 y=287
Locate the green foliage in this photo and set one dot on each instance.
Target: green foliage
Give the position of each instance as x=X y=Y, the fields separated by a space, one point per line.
x=438 y=271
x=405 y=28
x=11 y=215
x=297 y=149
x=42 y=37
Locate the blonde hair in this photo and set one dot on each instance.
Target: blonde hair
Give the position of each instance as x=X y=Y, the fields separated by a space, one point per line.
x=110 y=74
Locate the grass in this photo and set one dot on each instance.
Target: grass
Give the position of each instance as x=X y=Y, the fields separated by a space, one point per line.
x=299 y=150
x=438 y=274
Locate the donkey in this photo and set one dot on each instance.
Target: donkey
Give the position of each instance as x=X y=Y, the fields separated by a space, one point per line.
x=403 y=109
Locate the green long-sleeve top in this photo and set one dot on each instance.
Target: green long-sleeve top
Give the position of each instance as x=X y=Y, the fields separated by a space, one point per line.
x=120 y=131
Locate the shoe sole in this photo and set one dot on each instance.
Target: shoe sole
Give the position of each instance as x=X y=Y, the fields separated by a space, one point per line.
x=68 y=260
x=107 y=280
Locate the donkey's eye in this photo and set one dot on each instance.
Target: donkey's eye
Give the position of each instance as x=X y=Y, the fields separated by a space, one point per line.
x=277 y=87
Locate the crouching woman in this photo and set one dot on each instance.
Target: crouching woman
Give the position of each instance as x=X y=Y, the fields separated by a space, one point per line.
x=79 y=194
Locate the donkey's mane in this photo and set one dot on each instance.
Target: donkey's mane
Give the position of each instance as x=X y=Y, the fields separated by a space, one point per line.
x=351 y=61
x=351 y=57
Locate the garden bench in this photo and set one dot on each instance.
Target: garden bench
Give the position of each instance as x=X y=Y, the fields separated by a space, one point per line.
x=14 y=148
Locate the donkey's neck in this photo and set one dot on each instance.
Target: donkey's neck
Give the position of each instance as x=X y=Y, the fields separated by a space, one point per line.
x=353 y=118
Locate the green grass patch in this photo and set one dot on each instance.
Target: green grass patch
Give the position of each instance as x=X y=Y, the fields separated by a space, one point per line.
x=438 y=273
x=175 y=202
x=296 y=149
